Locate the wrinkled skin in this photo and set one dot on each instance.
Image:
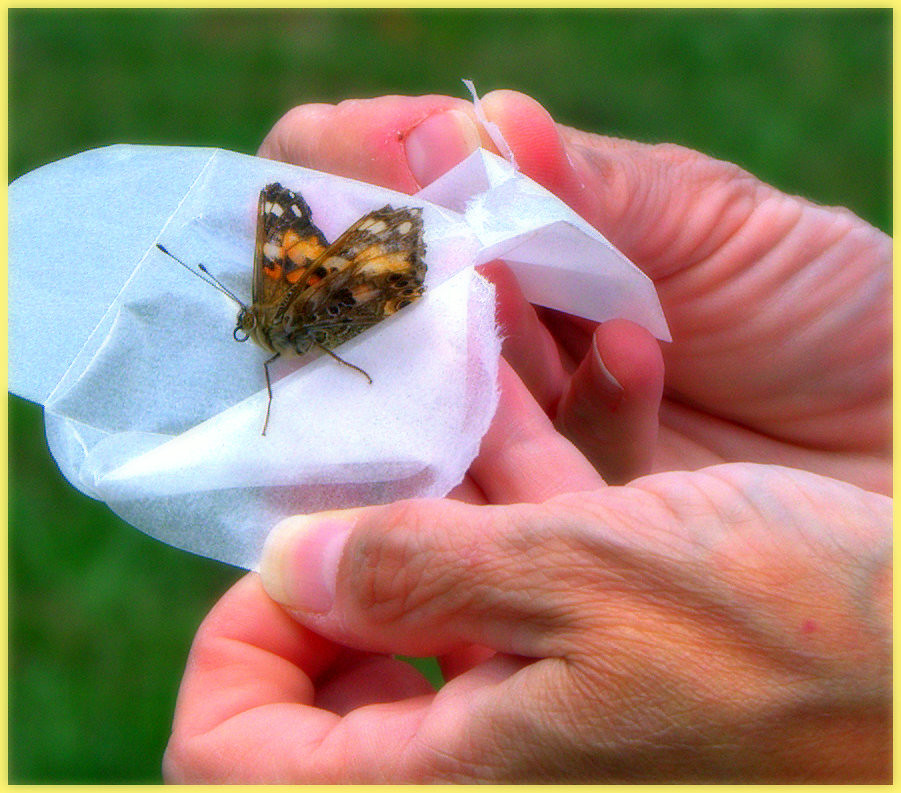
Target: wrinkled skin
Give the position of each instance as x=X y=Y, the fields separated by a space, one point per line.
x=713 y=616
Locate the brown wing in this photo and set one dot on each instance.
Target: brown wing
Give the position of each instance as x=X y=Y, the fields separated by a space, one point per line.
x=375 y=268
x=287 y=243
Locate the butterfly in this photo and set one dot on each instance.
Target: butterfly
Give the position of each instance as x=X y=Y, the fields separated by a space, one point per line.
x=308 y=293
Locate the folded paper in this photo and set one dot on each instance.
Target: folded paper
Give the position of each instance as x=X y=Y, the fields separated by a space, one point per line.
x=152 y=407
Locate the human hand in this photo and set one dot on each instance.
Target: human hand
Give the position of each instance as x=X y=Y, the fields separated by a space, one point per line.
x=730 y=624
x=724 y=624
x=780 y=309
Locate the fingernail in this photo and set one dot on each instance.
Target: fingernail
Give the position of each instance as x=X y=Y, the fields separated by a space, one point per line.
x=300 y=560
x=440 y=142
x=609 y=387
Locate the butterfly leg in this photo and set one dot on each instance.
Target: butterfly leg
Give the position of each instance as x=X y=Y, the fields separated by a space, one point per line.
x=268 y=390
x=346 y=363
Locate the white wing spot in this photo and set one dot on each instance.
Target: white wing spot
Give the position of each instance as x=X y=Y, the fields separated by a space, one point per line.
x=375 y=226
x=363 y=293
x=405 y=228
x=272 y=251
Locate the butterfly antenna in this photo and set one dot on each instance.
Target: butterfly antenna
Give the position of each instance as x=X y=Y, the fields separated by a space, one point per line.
x=209 y=279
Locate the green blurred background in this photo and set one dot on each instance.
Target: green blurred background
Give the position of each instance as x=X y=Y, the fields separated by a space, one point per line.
x=101 y=617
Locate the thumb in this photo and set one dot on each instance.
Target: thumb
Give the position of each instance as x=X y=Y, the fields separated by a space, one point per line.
x=425 y=577
x=401 y=142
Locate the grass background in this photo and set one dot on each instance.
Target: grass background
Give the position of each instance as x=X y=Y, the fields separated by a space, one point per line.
x=101 y=617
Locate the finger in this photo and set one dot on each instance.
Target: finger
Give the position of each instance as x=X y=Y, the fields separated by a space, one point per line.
x=248 y=654
x=572 y=334
x=534 y=139
x=274 y=659
x=248 y=709
x=527 y=345
x=611 y=408
x=241 y=719
x=428 y=577
x=522 y=457
x=399 y=142
x=370 y=679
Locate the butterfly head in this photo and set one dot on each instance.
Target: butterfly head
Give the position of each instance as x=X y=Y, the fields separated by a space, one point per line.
x=246 y=323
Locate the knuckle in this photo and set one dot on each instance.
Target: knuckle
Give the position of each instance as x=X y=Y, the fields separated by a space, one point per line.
x=394 y=569
x=702 y=168
x=676 y=153
x=424 y=565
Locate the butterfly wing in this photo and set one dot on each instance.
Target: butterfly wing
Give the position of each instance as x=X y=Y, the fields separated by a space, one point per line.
x=371 y=271
x=287 y=243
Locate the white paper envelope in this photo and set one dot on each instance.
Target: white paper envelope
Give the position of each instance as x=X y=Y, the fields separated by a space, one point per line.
x=152 y=406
